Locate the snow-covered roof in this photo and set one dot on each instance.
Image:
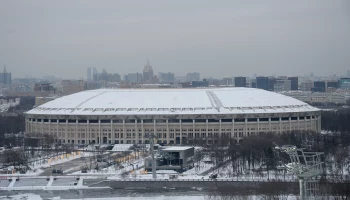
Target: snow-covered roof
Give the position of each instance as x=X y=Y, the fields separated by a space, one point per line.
x=176 y=148
x=172 y=101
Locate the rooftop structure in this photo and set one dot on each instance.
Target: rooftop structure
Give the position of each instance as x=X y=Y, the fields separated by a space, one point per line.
x=172 y=101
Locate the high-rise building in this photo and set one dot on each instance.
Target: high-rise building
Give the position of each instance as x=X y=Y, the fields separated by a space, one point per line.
x=282 y=85
x=194 y=76
x=306 y=85
x=203 y=83
x=240 y=81
x=271 y=83
x=147 y=73
x=332 y=84
x=319 y=86
x=5 y=78
x=262 y=82
x=344 y=83
x=227 y=81
x=44 y=87
x=294 y=83
x=91 y=71
x=72 y=86
x=133 y=78
x=166 y=77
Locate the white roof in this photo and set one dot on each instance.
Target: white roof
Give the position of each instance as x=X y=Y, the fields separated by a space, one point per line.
x=172 y=101
x=176 y=148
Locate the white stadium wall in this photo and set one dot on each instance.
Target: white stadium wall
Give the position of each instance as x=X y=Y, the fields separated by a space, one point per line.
x=175 y=116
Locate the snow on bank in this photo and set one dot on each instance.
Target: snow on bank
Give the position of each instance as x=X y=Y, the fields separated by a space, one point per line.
x=160 y=197
x=22 y=197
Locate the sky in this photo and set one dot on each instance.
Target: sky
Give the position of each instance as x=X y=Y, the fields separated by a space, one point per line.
x=221 y=38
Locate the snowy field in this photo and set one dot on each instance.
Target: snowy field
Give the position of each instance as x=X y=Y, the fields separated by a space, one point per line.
x=158 y=197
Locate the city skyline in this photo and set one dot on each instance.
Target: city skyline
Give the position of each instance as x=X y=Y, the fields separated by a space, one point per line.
x=236 y=38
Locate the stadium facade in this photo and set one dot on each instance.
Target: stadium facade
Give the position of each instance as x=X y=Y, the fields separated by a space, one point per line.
x=174 y=116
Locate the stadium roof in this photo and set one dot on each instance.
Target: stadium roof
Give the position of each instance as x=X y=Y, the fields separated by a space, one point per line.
x=172 y=101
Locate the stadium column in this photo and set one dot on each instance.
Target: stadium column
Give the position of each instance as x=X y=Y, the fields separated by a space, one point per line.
x=246 y=126
x=220 y=132
x=207 y=127
x=290 y=124
x=167 y=131
x=31 y=126
x=136 y=132
x=155 y=132
x=319 y=124
x=143 y=132
x=27 y=124
x=124 y=132
x=306 y=124
x=258 y=121
x=280 y=125
x=180 y=121
x=99 y=131
x=50 y=134
x=233 y=128
x=112 y=133
x=66 y=133
x=42 y=126
x=76 y=136
x=194 y=131
x=58 y=138
x=87 y=132
x=298 y=123
x=270 y=124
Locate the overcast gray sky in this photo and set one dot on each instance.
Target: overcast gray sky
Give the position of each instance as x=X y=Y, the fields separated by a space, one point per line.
x=216 y=38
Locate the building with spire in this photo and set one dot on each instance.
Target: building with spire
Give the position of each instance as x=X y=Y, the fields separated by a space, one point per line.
x=148 y=73
x=5 y=78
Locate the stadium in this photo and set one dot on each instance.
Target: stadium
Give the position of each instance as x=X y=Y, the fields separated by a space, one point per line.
x=173 y=116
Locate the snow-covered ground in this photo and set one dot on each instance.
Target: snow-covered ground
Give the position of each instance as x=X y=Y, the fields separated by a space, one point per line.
x=158 y=197
x=121 y=147
x=114 y=170
x=226 y=172
x=36 y=168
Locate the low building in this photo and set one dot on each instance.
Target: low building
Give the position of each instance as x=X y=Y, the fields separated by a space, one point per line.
x=41 y=100
x=172 y=158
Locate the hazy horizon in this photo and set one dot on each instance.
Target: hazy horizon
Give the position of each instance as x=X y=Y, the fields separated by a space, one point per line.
x=218 y=39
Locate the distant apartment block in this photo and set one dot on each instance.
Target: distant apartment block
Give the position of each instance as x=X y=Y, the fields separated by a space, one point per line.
x=344 y=83
x=338 y=97
x=72 y=86
x=194 y=76
x=203 y=83
x=227 y=81
x=133 y=78
x=240 y=81
x=148 y=73
x=294 y=83
x=41 y=100
x=90 y=73
x=282 y=85
x=5 y=78
x=306 y=85
x=166 y=77
x=271 y=83
x=319 y=86
x=262 y=82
